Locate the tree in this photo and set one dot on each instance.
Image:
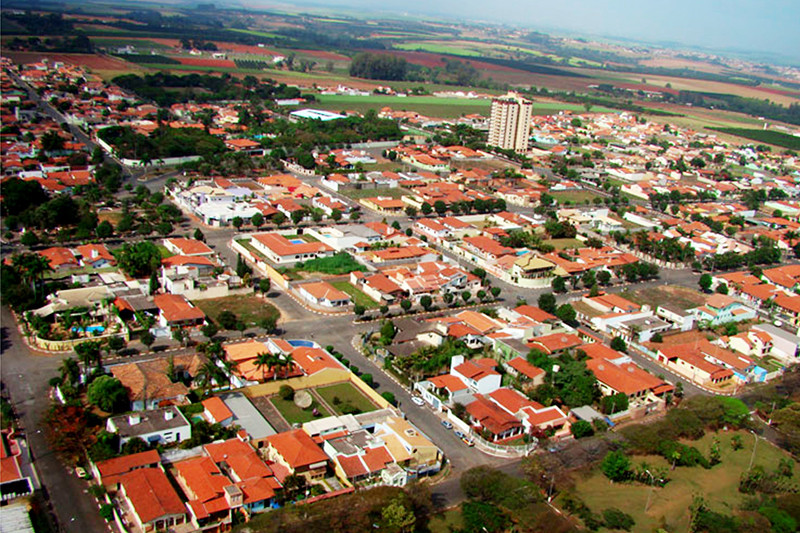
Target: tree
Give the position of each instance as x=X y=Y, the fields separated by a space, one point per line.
x=29 y=238
x=264 y=285
x=227 y=319
x=547 y=303
x=209 y=330
x=406 y=305
x=279 y=218
x=397 y=517
x=559 y=284
x=705 y=282
x=286 y=393
x=237 y=222
x=448 y=298
x=154 y=284
x=481 y=294
x=426 y=302
x=336 y=215
x=616 y=466
x=359 y=309
x=88 y=353
x=104 y=230
x=466 y=296
x=388 y=332
x=566 y=313
x=604 y=277
x=68 y=431
x=257 y=220
x=116 y=343
x=614 y=403
x=616 y=519
x=618 y=344
x=147 y=338
x=264 y=361
x=581 y=429
x=198 y=235
x=139 y=260
x=440 y=207
x=495 y=292
x=389 y=397
x=426 y=209
x=108 y=394
x=411 y=211
x=298 y=215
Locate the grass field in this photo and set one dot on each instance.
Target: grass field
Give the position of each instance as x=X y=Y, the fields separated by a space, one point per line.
x=347 y=395
x=163 y=251
x=447 y=521
x=576 y=197
x=563 y=244
x=249 y=309
x=437 y=48
x=719 y=485
x=358 y=297
x=357 y=194
x=682 y=297
x=295 y=415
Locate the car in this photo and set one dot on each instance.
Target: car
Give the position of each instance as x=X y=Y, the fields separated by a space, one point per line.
x=418 y=401
x=447 y=424
x=81 y=472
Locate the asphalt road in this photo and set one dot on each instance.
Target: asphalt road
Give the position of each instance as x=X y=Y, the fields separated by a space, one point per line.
x=26 y=374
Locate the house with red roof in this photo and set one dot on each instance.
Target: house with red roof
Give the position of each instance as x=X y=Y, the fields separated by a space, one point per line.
x=298 y=452
x=555 y=343
x=689 y=361
x=216 y=412
x=283 y=251
x=363 y=457
x=176 y=311
x=108 y=472
x=530 y=375
x=535 y=417
x=492 y=421
x=148 y=500
x=60 y=258
x=188 y=247
x=95 y=255
x=323 y=294
x=13 y=483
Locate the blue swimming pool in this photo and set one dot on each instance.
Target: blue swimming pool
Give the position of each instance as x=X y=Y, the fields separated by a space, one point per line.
x=297 y=241
x=302 y=343
x=90 y=329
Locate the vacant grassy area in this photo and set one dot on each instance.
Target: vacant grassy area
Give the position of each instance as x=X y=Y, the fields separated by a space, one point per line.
x=164 y=252
x=249 y=309
x=447 y=521
x=576 y=197
x=250 y=248
x=295 y=415
x=358 y=296
x=682 y=297
x=563 y=244
x=719 y=485
x=348 y=396
x=336 y=265
x=357 y=194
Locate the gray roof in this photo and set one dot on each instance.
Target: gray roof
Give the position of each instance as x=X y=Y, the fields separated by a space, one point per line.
x=778 y=332
x=646 y=323
x=587 y=413
x=247 y=417
x=152 y=421
x=408 y=329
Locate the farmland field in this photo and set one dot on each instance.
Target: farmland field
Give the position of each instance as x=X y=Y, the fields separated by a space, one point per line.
x=426 y=105
x=765 y=136
x=206 y=62
x=437 y=48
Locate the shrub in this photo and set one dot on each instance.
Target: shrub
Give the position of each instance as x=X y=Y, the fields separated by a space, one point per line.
x=367 y=378
x=389 y=397
x=581 y=429
x=616 y=519
x=286 y=392
x=616 y=466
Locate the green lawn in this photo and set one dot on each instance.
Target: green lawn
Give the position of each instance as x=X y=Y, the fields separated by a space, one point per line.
x=437 y=48
x=336 y=265
x=426 y=105
x=358 y=296
x=249 y=309
x=295 y=415
x=576 y=197
x=719 y=485
x=347 y=395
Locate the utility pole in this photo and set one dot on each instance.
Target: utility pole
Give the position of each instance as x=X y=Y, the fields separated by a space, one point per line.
x=652 y=489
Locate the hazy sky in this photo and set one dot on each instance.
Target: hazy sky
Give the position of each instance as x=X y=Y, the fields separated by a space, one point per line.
x=742 y=25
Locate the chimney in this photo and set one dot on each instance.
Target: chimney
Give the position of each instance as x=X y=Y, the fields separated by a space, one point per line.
x=134 y=418
x=169 y=414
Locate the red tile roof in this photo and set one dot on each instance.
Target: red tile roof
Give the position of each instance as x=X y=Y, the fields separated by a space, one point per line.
x=111 y=469
x=297 y=448
x=151 y=494
x=525 y=368
x=190 y=246
x=217 y=409
x=176 y=308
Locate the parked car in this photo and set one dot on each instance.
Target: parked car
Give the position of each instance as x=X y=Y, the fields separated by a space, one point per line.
x=447 y=424
x=466 y=440
x=417 y=400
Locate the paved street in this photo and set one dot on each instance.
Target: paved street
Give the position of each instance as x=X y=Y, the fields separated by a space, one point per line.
x=26 y=375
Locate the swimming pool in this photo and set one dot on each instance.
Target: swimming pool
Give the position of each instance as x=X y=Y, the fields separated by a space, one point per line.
x=304 y=344
x=297 y=241
x=90 y=329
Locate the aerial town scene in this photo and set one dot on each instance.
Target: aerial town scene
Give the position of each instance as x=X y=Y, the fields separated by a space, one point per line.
x=427 y=267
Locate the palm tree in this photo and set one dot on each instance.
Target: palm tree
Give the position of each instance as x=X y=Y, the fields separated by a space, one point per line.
x=284 y=363
x=229 y=367
x=69 y=370
x=32 y=268
x=207 y=375
x=265 y=360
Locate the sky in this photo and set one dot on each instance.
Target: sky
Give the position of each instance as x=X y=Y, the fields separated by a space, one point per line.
x=758 y=26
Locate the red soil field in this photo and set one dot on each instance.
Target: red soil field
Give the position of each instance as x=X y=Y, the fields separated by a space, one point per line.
x=202 y=62
x=246 y=49
x=91 y=61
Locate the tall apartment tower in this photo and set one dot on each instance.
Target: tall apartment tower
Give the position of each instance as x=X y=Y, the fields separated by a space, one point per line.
x=510 y=122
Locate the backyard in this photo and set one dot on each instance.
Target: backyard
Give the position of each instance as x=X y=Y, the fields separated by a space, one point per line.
x=345 y=398
x=249 y=309
x=297 y=415
x=718 y=485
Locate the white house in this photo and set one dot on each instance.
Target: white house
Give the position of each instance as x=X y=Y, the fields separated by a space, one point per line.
x=158 y=426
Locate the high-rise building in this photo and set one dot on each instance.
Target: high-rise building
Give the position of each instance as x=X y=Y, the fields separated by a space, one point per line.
x=510 y=123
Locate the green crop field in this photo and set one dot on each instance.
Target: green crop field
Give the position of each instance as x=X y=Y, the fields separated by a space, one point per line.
x=426 y=105
x=439 y=49
x=765 y=136
x=265 y=34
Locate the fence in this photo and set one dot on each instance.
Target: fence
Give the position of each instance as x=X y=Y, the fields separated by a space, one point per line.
x=490 y=448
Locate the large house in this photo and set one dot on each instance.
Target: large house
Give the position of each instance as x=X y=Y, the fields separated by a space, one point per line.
x=148 y=497
x=297 y=451
x=282 y=251
x=720 y=308
x=323 y=294
x=156 y=427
